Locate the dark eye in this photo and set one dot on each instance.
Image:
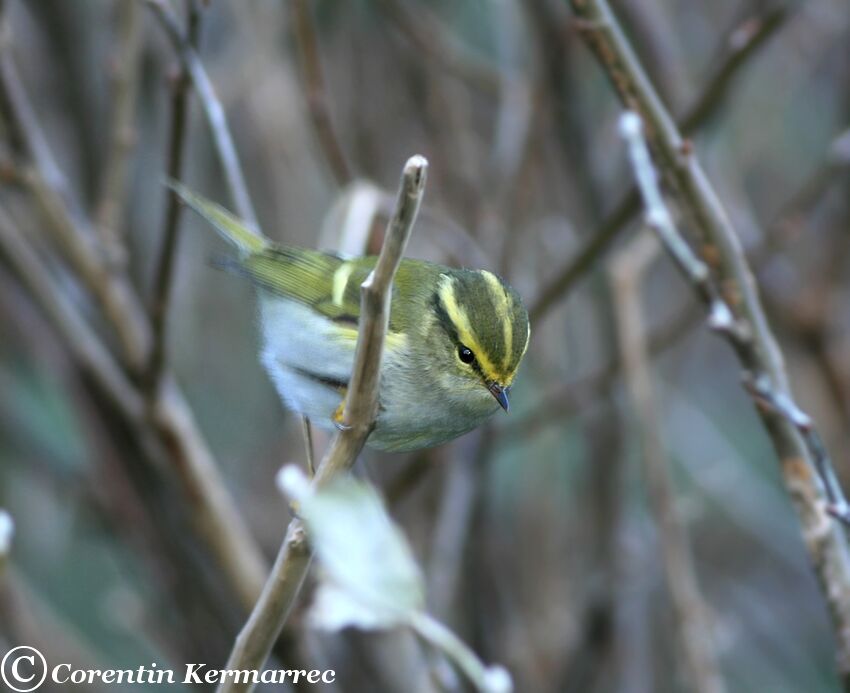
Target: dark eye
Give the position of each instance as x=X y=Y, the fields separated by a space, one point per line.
x=465 y=354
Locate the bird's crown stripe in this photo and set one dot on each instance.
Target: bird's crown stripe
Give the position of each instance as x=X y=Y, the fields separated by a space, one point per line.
x=503 y=310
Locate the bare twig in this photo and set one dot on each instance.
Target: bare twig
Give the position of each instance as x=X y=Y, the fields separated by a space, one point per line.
x=486 y=679
x=85 y=345
x=760 y=388
x=574 y=395
x=164 y=266
x=751 y=36
x=316 y=92
x=69 y=226
x=742 y=321
x=692 y=619
x=257 y=637
x=122 y=134
x=170 y=430
x=430 y=37
x=212 y=109
x=177 y=438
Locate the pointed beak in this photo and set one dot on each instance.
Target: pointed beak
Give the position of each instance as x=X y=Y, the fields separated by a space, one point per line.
x=501 y=395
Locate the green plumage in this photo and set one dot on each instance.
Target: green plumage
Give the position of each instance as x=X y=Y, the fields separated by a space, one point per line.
x=456 y=336
x=307 y=276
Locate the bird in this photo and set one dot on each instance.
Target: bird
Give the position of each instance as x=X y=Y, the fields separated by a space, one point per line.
x=456 y=337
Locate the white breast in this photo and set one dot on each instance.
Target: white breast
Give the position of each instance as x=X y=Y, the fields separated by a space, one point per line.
x=296 y=340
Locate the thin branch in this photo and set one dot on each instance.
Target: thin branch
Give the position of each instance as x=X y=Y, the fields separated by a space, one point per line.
x=257 y=637
x=166 y=428
x=431 y=38
x=177 y=438
x=36 y=276
x=486 y=679
x=69 y=226
x=212 y=109
x=317 y=93
x=740 y=47
x=741 y=321
x=122 y=133
x=747 y=39
x=164 y=266
x=692 y=619
x=573 y=396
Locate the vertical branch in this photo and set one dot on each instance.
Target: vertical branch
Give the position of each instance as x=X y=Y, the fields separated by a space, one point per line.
x=66 y=222
x=316 y=92
x=164 y=265
x=122 y=135
x=257 y=637
x=169 y=432
x=743 y=45
x=776 y=404
x=719 y=244
x=692 y=620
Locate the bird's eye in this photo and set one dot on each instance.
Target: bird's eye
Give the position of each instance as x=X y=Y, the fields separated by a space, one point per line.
x=465 y=354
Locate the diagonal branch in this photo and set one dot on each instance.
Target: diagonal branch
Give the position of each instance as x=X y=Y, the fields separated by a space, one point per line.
x=316 y=92
x=754 y=343
x=255 y=641
x=68 y=224
x=212 y=109
x=167 y=420
x=744 y=44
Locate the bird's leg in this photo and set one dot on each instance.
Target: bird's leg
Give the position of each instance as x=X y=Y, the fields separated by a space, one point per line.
x=307 y=430
x=337 y=417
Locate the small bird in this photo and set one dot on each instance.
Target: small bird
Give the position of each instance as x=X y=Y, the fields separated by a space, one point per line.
x=456 y=337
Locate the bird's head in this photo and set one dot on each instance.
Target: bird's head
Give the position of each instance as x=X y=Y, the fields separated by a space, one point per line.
x=477 y=335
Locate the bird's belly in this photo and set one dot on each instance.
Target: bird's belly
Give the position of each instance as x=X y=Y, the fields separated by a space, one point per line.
x=307 y=357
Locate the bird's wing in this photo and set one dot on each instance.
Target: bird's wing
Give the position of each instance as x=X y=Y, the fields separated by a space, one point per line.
x=331 y=285
x=323 y=281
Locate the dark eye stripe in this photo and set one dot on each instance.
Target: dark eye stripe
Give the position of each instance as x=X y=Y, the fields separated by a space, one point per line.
x=447 y=324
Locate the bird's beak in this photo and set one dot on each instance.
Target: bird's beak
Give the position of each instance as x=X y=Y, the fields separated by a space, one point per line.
x=501 y=395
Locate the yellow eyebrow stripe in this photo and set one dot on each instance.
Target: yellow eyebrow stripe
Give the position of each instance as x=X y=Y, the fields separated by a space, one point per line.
x=500 y=302
x=460 y=320
x=340 y=281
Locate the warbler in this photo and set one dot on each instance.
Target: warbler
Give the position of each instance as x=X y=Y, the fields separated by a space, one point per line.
x=456 y=337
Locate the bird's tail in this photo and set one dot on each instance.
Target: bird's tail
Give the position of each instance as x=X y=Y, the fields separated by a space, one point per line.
x=231 y=228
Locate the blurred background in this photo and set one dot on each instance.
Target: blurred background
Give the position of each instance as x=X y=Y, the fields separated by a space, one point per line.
x=539 y=542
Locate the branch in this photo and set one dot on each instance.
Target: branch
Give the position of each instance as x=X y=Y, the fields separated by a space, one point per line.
x=212 y=109
x=759 y=352
x=177 y=438
x=742 y=46
x=573 y=396
x=164 y=265
x=691 y=616
x=67 y=223
x=122 y=133
x=791 y=430
x=257 y=637
x=428 y=35
x=317 y=100
x=88 y=349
